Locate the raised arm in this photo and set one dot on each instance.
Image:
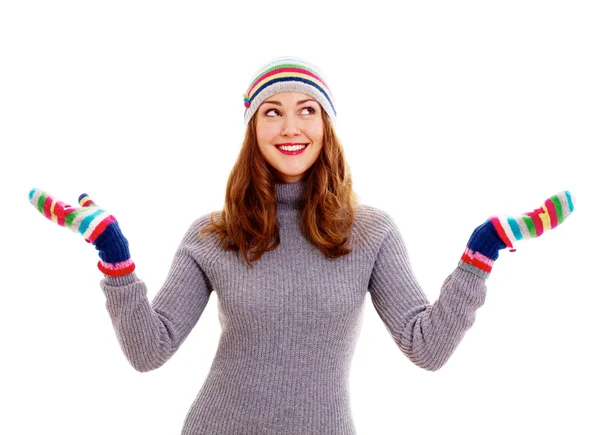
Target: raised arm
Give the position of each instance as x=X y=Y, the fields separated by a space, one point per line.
x=426 y=333
x=429 y=333
x=149 y=334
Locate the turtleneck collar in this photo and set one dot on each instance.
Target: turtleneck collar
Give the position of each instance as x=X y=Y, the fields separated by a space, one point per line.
x=288 y=195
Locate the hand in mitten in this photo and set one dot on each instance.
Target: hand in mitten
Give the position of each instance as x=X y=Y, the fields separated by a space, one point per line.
x=499 y=232
x=97 y=226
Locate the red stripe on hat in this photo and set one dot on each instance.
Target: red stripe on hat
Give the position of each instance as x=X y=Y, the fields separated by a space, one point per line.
x=283 y=70
x=500 y=231
x=551 y=212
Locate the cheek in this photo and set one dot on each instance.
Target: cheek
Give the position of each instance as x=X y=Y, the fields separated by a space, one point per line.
x=266 y=133
x=315 y=133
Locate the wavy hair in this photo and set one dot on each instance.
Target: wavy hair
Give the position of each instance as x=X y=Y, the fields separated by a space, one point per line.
x=248 y=222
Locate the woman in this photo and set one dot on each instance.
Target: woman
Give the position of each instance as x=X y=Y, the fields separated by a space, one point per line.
x=291 y=257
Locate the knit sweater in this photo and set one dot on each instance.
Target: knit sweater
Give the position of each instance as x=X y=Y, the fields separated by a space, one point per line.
x=289 y=326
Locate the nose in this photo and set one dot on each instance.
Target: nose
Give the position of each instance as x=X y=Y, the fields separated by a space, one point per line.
x=290 y=126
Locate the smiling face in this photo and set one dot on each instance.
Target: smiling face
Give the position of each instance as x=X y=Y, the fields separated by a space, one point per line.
x=289 y=118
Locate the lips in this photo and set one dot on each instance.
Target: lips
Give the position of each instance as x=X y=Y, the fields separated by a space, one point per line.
x=292 y=153
x=289 y=144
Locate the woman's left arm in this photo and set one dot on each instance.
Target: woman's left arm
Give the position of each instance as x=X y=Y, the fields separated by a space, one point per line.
x=426 y=333
x=429 y=333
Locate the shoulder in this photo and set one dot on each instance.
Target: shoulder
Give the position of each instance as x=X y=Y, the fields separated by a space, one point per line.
x=374 y=220
x=202 y=245
x=205 y=219
x=372 y=225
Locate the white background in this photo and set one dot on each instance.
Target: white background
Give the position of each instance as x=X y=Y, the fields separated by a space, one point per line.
x=448 y=112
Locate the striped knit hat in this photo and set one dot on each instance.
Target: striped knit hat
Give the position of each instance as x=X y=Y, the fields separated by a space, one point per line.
x=288 y=74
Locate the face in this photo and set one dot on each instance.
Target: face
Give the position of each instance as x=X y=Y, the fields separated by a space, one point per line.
x=289 y=118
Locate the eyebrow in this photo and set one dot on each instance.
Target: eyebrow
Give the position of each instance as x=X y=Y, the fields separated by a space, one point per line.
x=298 y=103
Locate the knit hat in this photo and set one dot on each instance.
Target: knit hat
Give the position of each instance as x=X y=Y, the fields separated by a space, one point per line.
x=288 y=74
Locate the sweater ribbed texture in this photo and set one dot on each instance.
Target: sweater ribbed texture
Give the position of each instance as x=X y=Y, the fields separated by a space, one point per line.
x=289 y=326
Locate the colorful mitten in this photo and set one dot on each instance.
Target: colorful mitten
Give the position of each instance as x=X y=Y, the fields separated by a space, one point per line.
x=500 y=232
x=97 y=226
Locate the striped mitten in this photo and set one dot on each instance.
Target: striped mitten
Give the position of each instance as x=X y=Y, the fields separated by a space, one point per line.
x=499 y=232
x=97 y=226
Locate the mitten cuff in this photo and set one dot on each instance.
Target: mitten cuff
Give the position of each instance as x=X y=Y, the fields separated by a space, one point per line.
x=116 y=269
x=476 y=263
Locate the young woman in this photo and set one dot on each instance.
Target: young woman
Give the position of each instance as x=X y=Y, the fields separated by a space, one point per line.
x=291 y=257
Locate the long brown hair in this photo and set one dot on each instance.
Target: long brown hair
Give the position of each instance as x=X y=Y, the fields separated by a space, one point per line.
x=248 y=221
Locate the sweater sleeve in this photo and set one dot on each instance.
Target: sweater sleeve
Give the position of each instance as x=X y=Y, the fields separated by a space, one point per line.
x=426 y=333
x=150 y=333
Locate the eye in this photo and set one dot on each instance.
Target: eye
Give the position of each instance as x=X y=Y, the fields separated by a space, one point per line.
x=311 y=110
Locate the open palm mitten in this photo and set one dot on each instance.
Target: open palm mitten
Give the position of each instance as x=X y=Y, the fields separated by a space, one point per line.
x=96 y=225
x=499 y=232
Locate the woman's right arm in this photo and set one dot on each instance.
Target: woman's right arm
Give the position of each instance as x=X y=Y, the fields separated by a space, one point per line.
x=150 y=333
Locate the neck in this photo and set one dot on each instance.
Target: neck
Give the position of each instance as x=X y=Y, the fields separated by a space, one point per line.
x=288 y=195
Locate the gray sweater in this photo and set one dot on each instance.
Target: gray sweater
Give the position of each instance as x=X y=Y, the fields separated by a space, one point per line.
x=289 y=326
